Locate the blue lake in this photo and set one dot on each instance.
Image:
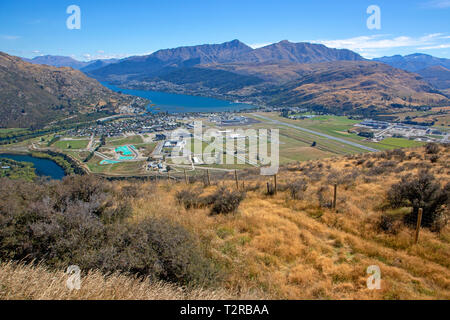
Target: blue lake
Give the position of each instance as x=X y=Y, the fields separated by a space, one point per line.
x=44 y=167
x=179 y=103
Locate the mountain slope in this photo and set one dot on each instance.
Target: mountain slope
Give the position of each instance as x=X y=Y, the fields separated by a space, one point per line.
x=63 y=61
x=57 y=61
x=164 y=61
x=352 y=87
x=97 y=64
x=33 y=95
x=299 y=53
x=284 y=73
x=438 y=76
x=414 y=62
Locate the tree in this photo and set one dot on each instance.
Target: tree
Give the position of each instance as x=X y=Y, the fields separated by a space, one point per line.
x=420 y=191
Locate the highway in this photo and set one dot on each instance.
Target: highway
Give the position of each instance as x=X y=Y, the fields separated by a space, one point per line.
x=354 y=144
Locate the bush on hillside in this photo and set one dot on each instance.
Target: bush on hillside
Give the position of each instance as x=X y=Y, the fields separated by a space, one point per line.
x=297 y=189
x=78 y=221
x=225 y=201
x=189 y=199
x=420 y=191
x=432 y=148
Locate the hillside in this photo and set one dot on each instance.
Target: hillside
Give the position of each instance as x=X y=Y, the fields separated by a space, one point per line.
x=22 y=282
x=164 y=61
x=414 y=62
x=97 y=64
x=302 y=52
x=339 y=87
x=288 y=245
x=34 y=95
x=57 y=61
x=437 y=76
x=167 y=60
x=353 y=87
x=281 y=74
x=63 y=61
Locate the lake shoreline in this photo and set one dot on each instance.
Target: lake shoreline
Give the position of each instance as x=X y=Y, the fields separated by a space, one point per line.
x=175 y=102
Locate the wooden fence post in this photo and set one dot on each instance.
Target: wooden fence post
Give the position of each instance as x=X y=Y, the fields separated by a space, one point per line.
x=275 y=183
x=236 y=178
x=209 y=178
x=268 y=188
x=419 y=223
x=185 y=177
x=335 y=196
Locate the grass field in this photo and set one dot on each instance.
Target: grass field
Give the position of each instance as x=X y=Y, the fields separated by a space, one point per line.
x=10 y=130
x=116 y=142
x=390 y=143
x=146 y=148
x=71 y=144
x=121 y=168
x=338 y=126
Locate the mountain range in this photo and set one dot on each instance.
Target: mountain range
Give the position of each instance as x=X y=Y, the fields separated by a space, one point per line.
x=63 y=61
x=414 y=62
x=280 y=74
x=434 y=70
x=34 y=95
x=284 y=73
x=167 y=60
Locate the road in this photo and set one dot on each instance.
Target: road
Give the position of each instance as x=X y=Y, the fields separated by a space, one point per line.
x=354 y=144
x=158 y=148
x=91 y=143
x=237 y=156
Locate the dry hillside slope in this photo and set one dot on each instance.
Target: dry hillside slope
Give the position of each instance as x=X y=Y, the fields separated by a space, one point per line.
x=37 y=94
x=299 y=248
x=286 y=245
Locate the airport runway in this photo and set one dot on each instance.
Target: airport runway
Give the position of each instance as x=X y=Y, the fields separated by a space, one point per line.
x=354 y=144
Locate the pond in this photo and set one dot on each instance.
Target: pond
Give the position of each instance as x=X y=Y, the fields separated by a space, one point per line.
x=44 y=167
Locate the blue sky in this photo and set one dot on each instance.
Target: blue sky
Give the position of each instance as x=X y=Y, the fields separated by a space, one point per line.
x=122 y=28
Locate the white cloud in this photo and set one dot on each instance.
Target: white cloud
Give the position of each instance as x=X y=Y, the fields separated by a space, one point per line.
x=102 y=55
x=9 y=37
x=440 y=4
x=259 y=45
x=372 y=46
x=441 y=46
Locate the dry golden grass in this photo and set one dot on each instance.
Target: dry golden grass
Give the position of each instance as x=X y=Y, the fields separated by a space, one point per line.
x=279 y=248
x=21 y=282
x=296 y=249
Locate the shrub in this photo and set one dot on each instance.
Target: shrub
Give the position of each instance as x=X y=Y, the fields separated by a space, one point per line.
x=420 y=191
x=297 y=189
x=389 y=224
x=324 y=197
x=189 y=199
x=432 y=148
x=225 y=201
x=70 y=222
x=156 y=248
x=434 y=158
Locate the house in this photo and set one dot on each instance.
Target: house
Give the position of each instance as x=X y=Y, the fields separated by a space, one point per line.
x=160 y=137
